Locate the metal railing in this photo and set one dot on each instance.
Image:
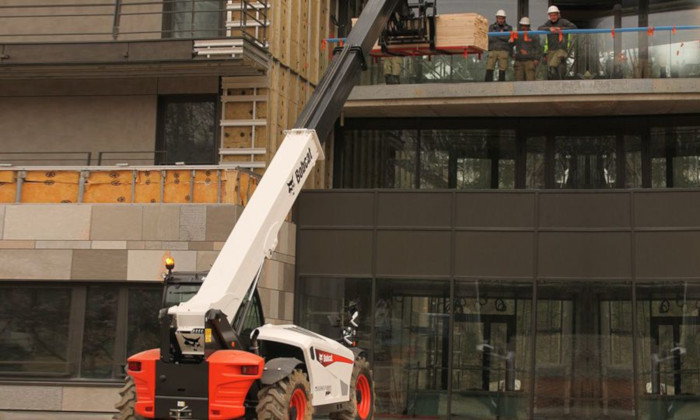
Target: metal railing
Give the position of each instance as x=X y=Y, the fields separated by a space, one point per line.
x=616 y=53
x=31 y=21
x=101 y=158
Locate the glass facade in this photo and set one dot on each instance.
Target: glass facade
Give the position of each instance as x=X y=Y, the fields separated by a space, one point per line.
x=564 y=153
x=502 y=349
x=91 y=329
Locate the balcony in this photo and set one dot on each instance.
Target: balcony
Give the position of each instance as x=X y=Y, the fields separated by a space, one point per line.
x=632 y=72
x=173 y=37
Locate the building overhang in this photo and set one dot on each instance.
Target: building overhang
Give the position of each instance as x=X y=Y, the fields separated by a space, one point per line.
x=526 y=99
x=229 y=56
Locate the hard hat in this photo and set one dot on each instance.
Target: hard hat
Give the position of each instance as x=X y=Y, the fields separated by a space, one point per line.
x=501 y=12
x=525 y=21
x=553 y=9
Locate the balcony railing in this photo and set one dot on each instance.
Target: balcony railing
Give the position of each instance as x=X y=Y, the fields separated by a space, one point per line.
x=41 y=21
x=662 y=52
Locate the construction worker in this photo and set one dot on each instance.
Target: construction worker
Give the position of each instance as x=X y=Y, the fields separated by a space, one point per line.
x=557 y=44
x=500 y=48
x=527 y=53
x=392 y=70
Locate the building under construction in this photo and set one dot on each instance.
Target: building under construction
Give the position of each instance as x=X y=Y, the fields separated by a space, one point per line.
x=516 y=249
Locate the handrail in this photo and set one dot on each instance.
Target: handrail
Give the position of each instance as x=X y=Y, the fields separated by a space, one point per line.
x=87 y=159
x=648 y=29
x=118 y=10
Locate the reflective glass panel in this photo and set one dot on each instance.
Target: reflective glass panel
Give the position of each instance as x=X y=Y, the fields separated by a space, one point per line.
x=324 y=303
x=584 y=351
x=411 y=347
x=584 y=162
x=668 y=344
x=34 y=323
x=100 y=332
x=379 y=159
x=189 y=130
x=142 y=324
x=491 y=349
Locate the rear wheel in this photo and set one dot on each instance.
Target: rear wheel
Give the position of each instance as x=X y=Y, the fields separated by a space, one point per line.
x=127 y=403
x=288 y=399
x=361 y=404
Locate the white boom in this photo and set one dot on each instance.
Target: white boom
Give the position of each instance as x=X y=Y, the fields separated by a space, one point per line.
x=254 y=237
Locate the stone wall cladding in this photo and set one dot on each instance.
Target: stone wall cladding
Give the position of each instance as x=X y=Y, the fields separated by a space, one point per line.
x=128 y=242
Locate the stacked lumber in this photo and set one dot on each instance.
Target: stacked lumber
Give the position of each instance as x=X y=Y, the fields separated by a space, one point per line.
x=455 y=33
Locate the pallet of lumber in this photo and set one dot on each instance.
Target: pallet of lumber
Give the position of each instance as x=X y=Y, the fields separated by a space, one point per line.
x=455 y=33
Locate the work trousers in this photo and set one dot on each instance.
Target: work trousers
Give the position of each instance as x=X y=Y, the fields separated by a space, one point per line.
x=525 y=70
x=392 y=65
x=556 y=57
x=501 y=56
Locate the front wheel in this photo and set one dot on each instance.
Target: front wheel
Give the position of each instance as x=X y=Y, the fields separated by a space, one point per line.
x=361 y=404
x=127 y=403
x=288 y=399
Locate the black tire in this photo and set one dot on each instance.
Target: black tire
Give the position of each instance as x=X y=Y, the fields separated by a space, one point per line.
x=350 y=409
x=274 y=401
x=127 y=404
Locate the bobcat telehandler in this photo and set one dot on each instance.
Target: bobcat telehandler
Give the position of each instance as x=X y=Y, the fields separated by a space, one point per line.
x=216 y=358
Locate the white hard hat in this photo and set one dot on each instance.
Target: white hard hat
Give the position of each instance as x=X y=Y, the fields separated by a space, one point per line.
x=501 y=12
x=553 y=9
x=525 y=21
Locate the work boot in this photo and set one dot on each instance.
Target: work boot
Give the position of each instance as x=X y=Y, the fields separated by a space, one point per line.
x=501 y=76
x=489 y=76
x=552 y=73
x=389 y=79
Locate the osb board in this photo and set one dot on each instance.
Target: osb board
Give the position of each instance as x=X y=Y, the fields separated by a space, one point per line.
x=177 y=186
x=148 y=187
x=237 y=137
x=108 y=187
x=50 y=187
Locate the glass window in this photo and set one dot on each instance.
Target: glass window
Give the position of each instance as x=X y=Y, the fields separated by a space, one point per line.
x=323 y=303
x=35 y=324
x=584 y=350
x=100 y=332
x=411 y=347
x=633 y=161
x=187 y=126
x=142 y=327
x=491 y=349
x=380 y=159
x=584 y=162
x=668 y=344
x=193 y=19
x=675 y=157
x=535 y=163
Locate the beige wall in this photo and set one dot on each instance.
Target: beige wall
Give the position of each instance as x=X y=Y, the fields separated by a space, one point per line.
x=78 y=123
x=86 y=115
x=44 y=23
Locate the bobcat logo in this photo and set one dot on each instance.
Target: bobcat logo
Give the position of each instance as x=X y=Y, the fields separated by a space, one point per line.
x=290 y=185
